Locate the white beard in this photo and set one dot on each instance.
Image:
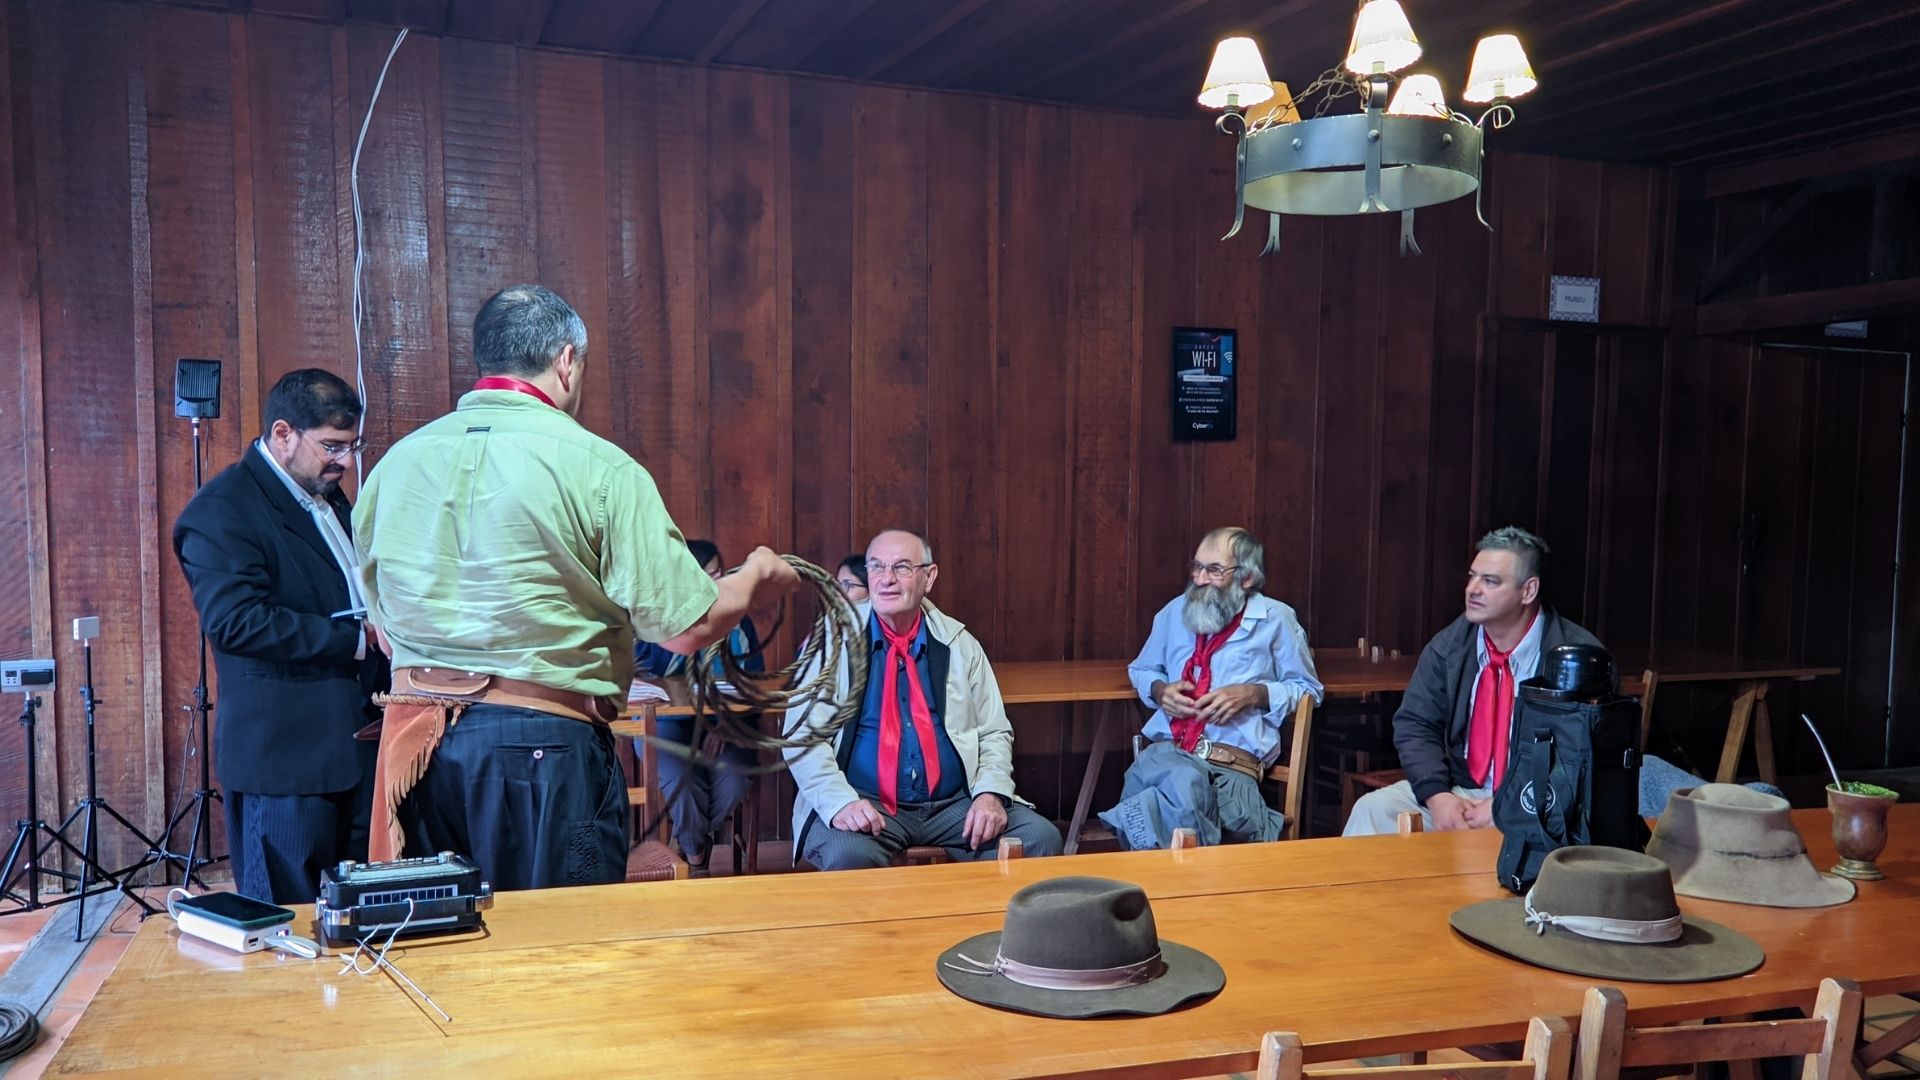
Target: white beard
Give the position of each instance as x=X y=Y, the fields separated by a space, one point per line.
x=1211 y=607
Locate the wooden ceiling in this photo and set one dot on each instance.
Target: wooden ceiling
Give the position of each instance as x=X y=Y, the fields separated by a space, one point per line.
x=1700 y=83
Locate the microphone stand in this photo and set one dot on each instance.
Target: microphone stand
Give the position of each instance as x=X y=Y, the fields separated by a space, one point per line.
x=200 y=837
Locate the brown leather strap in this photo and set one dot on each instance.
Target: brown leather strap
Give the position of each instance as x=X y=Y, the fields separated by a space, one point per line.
x=475 y=687
x=1233 y=758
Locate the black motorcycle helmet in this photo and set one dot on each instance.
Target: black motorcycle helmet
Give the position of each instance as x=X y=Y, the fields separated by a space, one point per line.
x=1572 y=673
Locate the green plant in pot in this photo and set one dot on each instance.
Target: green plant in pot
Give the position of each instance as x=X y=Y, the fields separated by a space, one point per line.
x=1859 y=818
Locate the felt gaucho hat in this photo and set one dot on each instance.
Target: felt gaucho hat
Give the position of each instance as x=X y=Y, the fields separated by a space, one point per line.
x=1728 y=842
x=1608 y=913
x=1076 y=947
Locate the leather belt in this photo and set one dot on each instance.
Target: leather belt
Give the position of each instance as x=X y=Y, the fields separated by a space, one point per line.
x=1231 y=757
x=475 y=687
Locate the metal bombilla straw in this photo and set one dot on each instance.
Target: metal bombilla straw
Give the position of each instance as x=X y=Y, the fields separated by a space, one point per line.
x=1837 y=785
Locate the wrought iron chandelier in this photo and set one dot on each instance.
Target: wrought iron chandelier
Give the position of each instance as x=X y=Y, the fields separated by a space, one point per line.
x=1404 y=150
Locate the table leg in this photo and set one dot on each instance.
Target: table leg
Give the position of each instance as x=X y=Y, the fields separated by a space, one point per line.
x=1095 y=755
x=1763 y=736
x=650 y=769
x=1745 y=695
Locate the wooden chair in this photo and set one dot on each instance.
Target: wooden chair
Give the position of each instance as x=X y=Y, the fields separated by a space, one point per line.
x=1548 y=1047
x=1351 y=783
x=1607 y=1045
x=651 y=859
x=1409 y=822
x=1293 y=773
x=1649 y=681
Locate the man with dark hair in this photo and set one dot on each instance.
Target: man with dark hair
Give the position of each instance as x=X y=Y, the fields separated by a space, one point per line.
x=1224 y=668
x=929 y=760
x=1454 y=722
x=267 y=549
x=509 y=555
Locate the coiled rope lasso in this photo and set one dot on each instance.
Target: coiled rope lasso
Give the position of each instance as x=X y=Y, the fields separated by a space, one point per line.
x=730 y=704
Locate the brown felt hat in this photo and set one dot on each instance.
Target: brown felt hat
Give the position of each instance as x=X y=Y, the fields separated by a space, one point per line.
x=1728 y=842
x=1077 y=947
x=1608 y=913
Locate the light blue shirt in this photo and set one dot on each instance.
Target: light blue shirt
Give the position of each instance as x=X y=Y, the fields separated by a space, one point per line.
x=1269 y=648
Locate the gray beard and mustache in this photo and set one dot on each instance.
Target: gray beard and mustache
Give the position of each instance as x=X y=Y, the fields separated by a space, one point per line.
x=1211 y=607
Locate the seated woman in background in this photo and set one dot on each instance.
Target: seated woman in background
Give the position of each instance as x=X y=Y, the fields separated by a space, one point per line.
x=699 y=797
x=852 y=576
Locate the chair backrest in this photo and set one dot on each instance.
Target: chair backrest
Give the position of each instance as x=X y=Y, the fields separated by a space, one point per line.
x=1409 y=822
x=1294 y=772
x=1548 y=1049
x=1649 y=681
x=1607 y=1045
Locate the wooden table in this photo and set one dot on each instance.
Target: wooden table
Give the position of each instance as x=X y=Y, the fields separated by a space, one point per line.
x=1343 y=672
x=1342 y=940
x=1750 y=681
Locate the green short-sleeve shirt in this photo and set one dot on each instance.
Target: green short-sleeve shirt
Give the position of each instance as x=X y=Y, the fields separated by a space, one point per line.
x=506 y=538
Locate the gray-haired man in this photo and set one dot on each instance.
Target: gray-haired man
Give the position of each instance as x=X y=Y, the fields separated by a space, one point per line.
x=1223 y=668
x=1452 y=728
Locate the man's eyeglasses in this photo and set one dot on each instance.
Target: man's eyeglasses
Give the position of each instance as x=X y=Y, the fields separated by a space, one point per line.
x=901 y=569
x=1213 y=570
x=335 y=451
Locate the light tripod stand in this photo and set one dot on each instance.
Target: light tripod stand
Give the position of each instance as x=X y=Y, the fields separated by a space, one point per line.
x=35 y=837
x=199 y=849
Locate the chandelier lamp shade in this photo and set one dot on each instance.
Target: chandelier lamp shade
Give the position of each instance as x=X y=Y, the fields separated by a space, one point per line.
x=1404 y=148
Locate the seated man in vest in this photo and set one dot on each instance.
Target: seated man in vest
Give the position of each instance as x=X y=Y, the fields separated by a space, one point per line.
x=1223 y=668
x=1455 y=720
x=929 y=760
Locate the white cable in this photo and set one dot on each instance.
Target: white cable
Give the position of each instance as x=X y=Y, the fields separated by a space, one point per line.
x=359 y=252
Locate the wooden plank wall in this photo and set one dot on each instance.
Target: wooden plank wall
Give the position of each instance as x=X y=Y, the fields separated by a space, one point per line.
x=818 y=309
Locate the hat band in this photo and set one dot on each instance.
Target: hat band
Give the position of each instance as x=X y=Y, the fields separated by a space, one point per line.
x=1601 y=928
x=1047 y=978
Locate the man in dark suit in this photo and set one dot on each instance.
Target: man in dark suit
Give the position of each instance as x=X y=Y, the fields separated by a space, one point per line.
x=267 y=549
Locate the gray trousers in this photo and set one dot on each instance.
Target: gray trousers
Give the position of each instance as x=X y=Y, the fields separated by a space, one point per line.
x=930 y=824
x=1167 y=788
x=699 y=797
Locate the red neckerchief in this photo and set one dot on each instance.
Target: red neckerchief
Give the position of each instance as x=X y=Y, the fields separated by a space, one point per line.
x=900 y=655
x=518 y=386
x=1492 y=721
x=1199 y=671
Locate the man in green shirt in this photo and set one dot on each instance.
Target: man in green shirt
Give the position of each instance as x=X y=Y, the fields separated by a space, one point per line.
x=509 y=556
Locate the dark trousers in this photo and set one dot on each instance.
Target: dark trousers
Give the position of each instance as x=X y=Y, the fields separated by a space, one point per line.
x=932 y=824
x=536 y=800
x=699 y=797
x=280 y=843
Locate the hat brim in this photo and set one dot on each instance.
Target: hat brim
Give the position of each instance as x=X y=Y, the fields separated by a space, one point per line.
x=1190 y=976
x=1705 y=951
x=1823 y=890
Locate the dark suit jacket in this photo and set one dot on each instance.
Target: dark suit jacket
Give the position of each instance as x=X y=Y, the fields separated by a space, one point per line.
x=291 y=695
x=1430 y=730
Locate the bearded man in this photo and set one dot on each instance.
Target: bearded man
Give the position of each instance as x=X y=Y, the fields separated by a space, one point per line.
x=1223 y=669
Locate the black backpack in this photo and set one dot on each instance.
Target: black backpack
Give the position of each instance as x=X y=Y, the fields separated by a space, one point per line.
x=1573 y=777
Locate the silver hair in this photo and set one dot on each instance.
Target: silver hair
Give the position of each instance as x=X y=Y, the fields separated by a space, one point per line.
x=926 y=548
x=521 y=330
x=1248 y=554
x=1529 y=549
